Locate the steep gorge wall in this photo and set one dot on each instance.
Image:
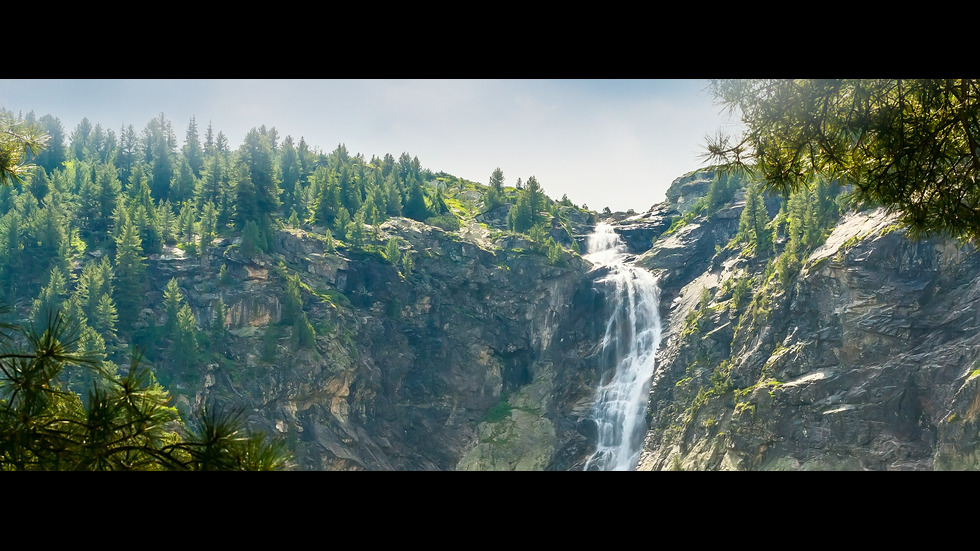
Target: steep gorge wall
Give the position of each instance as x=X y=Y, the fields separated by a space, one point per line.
x=407 y=367
x=867 y=359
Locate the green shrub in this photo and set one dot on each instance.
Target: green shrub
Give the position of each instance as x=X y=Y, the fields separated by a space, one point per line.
x=448 y=222
x=498 y=412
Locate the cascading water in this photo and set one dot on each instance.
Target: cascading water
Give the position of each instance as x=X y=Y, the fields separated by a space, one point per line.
x=629 y=350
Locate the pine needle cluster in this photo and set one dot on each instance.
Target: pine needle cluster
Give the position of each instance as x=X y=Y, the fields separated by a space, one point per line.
x=125 y=422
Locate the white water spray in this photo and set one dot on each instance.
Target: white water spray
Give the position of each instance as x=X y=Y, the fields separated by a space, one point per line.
x=629 y=354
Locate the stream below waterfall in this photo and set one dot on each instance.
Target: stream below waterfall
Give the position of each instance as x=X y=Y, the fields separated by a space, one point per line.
x=628 y=354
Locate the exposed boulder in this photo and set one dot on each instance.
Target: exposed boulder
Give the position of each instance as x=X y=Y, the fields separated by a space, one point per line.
x=686 y=190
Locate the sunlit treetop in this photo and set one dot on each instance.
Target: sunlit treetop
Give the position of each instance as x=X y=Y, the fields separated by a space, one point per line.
x=912 y=146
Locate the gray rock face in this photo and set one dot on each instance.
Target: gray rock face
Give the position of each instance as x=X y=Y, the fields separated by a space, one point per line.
x=407 y=366
x=639 y=231
x=689 y=251
x=866 y=360
x=686 y=190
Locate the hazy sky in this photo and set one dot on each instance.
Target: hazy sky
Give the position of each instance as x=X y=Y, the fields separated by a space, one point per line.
x=615 y=143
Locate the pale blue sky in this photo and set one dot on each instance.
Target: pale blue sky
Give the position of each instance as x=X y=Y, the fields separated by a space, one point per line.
x=616 y=143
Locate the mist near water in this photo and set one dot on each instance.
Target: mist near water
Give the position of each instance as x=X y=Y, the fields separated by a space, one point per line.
x=629 y=348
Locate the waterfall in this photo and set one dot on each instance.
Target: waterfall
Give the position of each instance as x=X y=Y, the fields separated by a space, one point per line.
x=629 y=350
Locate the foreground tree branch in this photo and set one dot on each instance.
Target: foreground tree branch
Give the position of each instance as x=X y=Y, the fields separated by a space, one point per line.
x=908 y=145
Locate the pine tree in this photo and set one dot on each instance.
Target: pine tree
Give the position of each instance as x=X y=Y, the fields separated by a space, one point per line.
x=291 y=170
x=246 y=203
x=258 y=181
x=103 y=144
x=167 y=222
x=208 y=225
x=253 y=240
x=752 y=227
x=187 y=223
x=327 y=205
x=494 y=197
x=341 y=221
x=369 y=212
x=127 y=154
x=555 y=252
x=184 y=351
x=520 y=218
x=172 y=301
x=90 y=345
x=130 y=270
x=221 y=143
x=94 y=281
x=192 y=150
x=47 y=244
x=536 y=198
x=105 y=320
x=54 y=152
x=293 y=314
x=415 y=207
x=12 y=246
x=125 y=422
x=304 y=333
x=50 y=302
x=148 y=227
x=292 y=302
x=407 y=264
x=109 y=189
x=218 y=323
x=159 y=144
x=209 y=143
x=722 y=190
x=392 y=252
x=78 y=147
x=393 y=198
x=350 y=187
x=184 y=183
x=356 y=230
x=211 y=186
x=88 y=212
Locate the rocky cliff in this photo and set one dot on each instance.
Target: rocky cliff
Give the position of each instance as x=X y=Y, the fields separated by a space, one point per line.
x=866 y=358
x=480 y=356
x=484 y=354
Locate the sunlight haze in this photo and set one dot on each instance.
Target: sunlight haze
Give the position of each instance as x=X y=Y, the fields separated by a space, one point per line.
x=615 y=143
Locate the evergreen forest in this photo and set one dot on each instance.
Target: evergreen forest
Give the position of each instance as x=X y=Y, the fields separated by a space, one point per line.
x=85 y=210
